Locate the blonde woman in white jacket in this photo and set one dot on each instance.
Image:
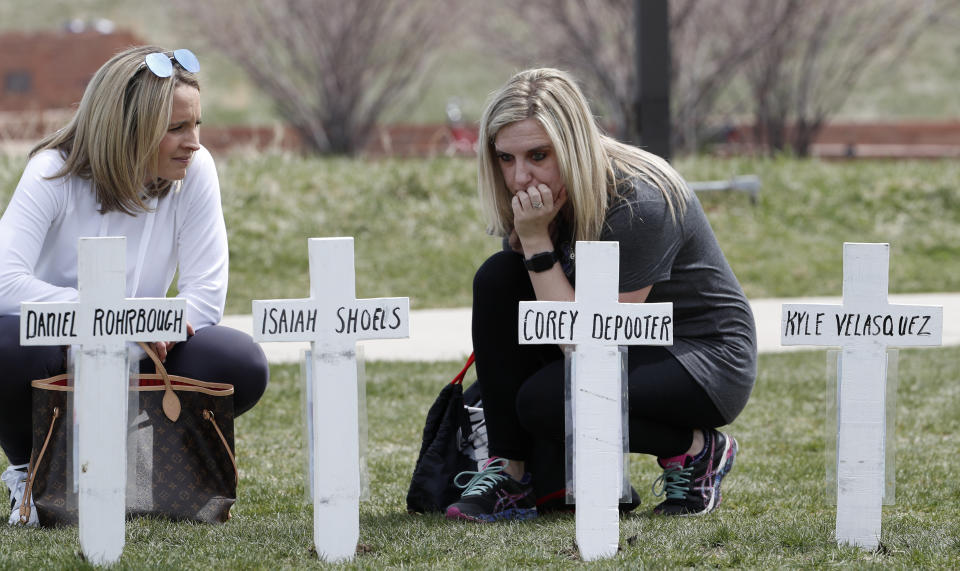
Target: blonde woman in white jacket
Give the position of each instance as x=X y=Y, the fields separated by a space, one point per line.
x=129 y=163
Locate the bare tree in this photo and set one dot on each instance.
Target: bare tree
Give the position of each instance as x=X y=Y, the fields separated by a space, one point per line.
x=332 y=67
x=710 y=40
x=592 y=38
x=805 y=73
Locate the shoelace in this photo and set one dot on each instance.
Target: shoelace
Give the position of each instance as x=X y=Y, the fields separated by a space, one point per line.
x=674 y=483
x=16 y=482
x=13 y=476
x=482 y=480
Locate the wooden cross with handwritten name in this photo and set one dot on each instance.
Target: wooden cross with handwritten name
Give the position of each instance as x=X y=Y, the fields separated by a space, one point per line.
x=99 y=327
x=596 y=324
x=333 y=320
x=864 y=326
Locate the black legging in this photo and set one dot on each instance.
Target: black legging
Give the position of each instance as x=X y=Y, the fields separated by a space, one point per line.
x=523 y=385
x=215 y=353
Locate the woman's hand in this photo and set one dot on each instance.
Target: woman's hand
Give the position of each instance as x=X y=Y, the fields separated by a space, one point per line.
x=163 y=347
x=514 y=241
x=535 y=229
x=534 y=209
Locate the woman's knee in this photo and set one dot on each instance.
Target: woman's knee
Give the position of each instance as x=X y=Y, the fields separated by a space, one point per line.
x=31 y=362
x=236 y=347
x=540 y=402
x=222 y=354
x=247 y=367
x=501 y=271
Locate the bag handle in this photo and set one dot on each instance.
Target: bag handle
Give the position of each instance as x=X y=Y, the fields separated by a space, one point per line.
x=208 y=415
x=32 y=472
x=458 y=380
x=171 y=403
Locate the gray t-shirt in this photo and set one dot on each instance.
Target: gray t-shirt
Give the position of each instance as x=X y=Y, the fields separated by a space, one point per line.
x=714 y=332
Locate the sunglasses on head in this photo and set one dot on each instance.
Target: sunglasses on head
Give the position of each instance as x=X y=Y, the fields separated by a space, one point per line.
x=161 y=64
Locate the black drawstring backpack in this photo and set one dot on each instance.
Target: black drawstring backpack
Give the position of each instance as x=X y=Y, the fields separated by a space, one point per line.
x=454 y=440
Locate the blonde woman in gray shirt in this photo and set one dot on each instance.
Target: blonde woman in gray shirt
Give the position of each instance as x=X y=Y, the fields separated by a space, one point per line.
x=547 y=178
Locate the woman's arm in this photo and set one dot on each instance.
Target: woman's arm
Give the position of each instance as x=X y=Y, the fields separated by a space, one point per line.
x=636 y=296
x=202 y=244
x=532 y=228
x=553 y=282
x=35 y=204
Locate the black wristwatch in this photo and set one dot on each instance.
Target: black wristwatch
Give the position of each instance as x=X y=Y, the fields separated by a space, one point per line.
x=541 y=262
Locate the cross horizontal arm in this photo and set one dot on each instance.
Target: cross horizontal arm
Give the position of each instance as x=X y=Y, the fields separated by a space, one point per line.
x=889 y=325
x=49 y=323
x=285 y=320
x=65 y=323
x=610 y=324
x=349 y=321
x=376 y=318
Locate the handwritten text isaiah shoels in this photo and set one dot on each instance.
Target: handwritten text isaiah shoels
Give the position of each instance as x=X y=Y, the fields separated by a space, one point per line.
x=347 y=320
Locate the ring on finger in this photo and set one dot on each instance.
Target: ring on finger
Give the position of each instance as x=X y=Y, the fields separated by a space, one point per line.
x=537 y=205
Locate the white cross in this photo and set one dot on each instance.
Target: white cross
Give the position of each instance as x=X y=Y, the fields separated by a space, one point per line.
x=596 y=324
x=99 y=326
x=864 y=326
x=333 y=320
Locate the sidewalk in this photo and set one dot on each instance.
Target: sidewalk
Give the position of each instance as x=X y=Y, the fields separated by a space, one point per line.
x=444 y=334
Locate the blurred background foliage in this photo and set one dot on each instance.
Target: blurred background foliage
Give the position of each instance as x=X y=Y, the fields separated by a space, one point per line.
x=417 y=222
x=768 y=62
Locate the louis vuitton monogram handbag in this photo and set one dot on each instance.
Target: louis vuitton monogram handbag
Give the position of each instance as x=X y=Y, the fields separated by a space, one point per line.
x=180 y=450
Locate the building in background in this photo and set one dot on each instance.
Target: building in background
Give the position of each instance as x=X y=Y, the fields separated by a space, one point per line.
x=49 y=69
x=43 y=73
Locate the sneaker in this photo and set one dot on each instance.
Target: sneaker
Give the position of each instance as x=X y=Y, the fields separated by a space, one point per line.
x=491 y=495
x=15 y=477
x=692 y=484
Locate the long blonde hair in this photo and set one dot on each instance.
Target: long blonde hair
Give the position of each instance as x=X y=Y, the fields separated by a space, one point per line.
x=592 y=164
x=114 y=136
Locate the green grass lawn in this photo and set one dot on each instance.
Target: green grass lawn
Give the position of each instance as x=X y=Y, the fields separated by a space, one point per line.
x=774 y=512
x=418 y=234
x=418 y=231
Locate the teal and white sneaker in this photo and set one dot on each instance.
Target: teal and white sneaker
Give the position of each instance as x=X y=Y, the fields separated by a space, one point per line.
x=15 y=477
x=490 y=495
x=692 y=485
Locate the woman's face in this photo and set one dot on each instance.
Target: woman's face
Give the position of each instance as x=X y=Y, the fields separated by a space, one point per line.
x=182 y=138
x=527 y=158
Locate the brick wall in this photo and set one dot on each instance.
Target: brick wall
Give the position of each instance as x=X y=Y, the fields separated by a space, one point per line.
x=50 y=69
x=895 y=139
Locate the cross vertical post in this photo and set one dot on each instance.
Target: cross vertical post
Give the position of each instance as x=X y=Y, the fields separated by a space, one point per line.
x=596 y=324
x=99 y=326
x=864 y=326
x=333 y=320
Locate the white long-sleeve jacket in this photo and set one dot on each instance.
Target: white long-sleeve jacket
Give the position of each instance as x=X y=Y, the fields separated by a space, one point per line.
x=45 y=218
